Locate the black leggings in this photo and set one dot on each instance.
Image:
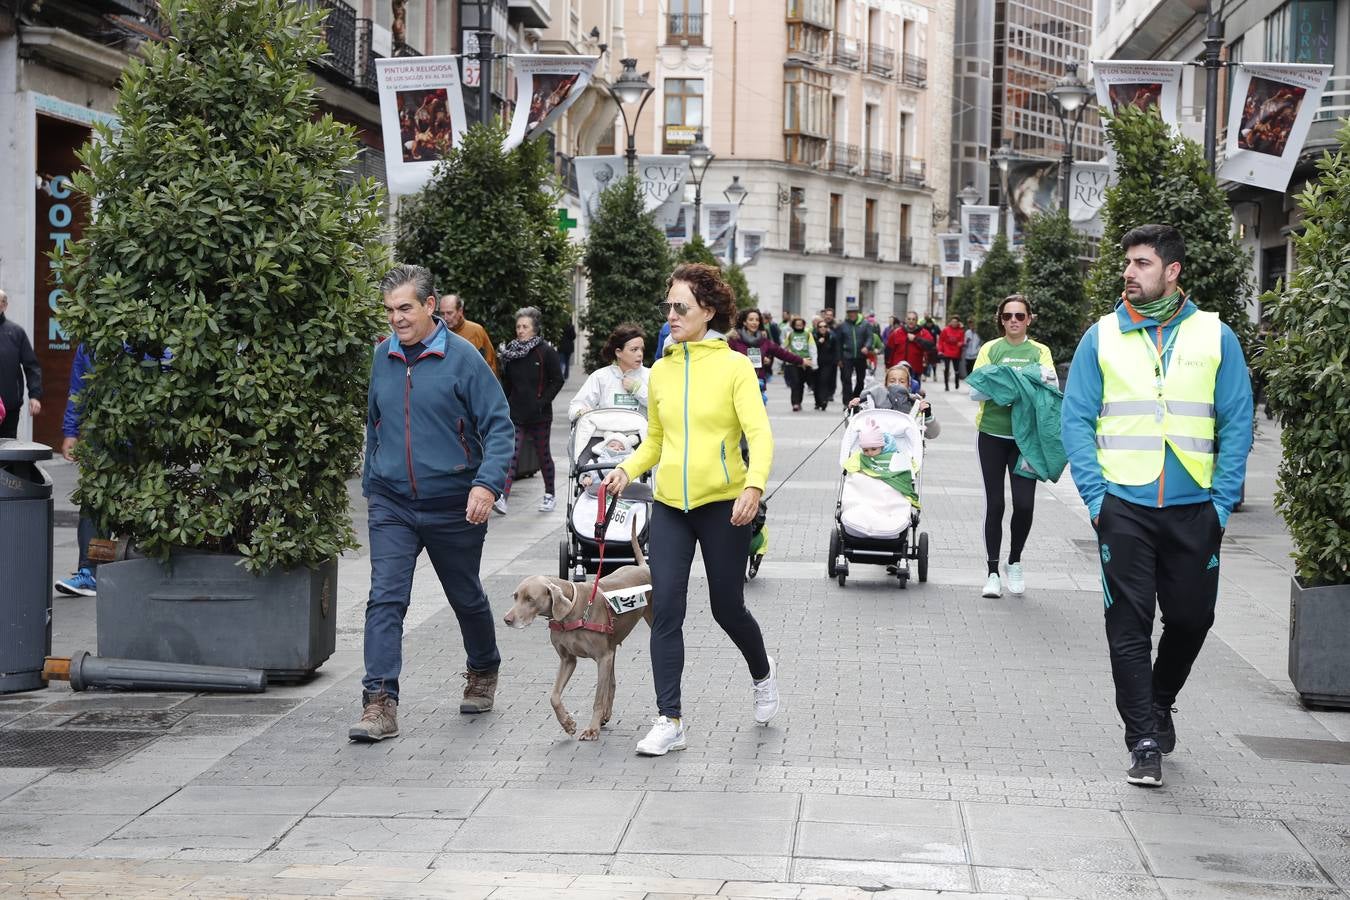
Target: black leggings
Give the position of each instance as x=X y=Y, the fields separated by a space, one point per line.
x=999 y=455
x=951 y=364
x=795 y=376
x=726 y=550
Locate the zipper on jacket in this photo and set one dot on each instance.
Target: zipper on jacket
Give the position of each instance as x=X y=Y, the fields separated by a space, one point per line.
x=407 y=430
x=725 y=474
x=685 y=473
x=464 y=444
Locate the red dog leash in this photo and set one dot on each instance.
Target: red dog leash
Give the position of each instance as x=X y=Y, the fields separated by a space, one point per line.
x=602 y=518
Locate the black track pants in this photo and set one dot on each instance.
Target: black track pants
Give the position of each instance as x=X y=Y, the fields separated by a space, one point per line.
x=726 y=550
x=998 y=456
x=795 y=376
x=852 y=374
x=1171 y=554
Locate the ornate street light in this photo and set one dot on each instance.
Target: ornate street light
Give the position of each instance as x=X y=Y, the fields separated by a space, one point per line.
x=631 y=87
x=699 y=157
x=1003 y=158
x=735 y=193
x=1070 y=97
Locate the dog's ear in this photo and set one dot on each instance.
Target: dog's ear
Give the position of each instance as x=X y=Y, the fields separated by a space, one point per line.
x=561 y=605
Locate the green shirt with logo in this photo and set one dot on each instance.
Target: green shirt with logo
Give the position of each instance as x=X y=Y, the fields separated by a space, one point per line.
x=994 y=419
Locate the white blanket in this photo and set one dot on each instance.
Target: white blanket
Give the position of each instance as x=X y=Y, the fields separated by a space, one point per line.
x=873 y=509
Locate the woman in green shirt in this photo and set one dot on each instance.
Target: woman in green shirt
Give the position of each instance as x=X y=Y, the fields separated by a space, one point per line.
x=997 y=449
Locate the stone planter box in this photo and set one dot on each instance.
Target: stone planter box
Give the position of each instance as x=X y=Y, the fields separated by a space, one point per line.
x=1319 y=635
x=205 y=609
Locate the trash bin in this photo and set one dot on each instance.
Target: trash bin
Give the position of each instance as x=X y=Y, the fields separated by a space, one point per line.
x=25 y=565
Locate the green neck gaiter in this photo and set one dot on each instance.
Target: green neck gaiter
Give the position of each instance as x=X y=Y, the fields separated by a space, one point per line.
x=1162 y=309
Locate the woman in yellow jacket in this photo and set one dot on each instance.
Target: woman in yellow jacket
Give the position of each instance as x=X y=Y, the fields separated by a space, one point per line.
x=701 y=398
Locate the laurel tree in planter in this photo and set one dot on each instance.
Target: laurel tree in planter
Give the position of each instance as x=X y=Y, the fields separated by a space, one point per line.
x=226 y=288
x=1308 y=382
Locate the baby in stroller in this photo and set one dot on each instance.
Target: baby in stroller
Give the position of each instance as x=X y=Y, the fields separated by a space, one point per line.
x=614 y=449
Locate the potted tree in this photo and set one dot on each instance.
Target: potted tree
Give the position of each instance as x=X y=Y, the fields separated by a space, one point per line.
x=1310 y=392
x=226 y=290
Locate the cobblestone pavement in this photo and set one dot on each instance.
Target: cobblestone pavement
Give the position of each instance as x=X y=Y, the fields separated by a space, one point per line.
x=930 y=740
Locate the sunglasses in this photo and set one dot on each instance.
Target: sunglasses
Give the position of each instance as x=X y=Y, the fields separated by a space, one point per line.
x=681 y=309
x=1019 y=316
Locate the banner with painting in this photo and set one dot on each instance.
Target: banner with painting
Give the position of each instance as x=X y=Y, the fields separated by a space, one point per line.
x=1034 y=187
x=546 y=85
x=978 y=227
x=421 y=116
x=1144 y=84
x=1272 y=108
x=661 y=181
x=949 y=249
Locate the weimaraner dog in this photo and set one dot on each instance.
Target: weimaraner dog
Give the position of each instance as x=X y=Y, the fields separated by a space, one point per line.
x=565 y=602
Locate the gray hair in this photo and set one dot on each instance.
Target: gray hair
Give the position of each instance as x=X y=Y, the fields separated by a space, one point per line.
x=420 y=277
x=532 y=313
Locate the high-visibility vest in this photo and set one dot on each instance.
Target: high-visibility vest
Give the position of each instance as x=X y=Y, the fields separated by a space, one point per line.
x=1144 y=409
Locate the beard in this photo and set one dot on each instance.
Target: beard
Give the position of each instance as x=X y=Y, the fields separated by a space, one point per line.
x=1150 y=292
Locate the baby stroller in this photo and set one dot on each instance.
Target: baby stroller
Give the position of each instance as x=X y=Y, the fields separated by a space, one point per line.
x=874 y=522
x=579 y=550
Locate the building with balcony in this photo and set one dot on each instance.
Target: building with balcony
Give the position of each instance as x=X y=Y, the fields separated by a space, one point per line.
x=833 y=114
x=1297 y=31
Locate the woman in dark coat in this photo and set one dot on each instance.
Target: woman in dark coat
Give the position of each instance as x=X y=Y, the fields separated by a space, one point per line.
x=531 y=377
x=827 y=363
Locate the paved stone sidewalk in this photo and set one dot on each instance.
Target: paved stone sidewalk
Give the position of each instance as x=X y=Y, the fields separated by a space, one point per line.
x=930 y=739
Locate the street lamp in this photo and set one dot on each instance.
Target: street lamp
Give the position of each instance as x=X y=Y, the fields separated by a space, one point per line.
x=1070 y=97
x=699 y=157
x=1003 y=157
x=735 y=193
x=485 y=38
x=628 y=88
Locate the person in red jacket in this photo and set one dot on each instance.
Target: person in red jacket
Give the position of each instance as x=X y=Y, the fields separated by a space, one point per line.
x=950 y=342
x=897 y=346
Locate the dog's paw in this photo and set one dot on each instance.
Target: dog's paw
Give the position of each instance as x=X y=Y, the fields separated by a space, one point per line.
x=590 y=734
x=570 y=725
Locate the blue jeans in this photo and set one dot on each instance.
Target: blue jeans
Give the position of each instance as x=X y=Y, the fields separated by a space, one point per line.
x=399 y=530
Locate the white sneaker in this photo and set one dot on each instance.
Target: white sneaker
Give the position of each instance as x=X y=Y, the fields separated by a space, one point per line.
x=1017 y=585
x=546 y=503
x=992 y=587
x=499 y=505
x=666 y=735
x=766 y=696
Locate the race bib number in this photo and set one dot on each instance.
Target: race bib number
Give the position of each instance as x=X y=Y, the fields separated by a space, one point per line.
x=756 y=357
x=628 y=599
x=622 y=510
x=625 y=400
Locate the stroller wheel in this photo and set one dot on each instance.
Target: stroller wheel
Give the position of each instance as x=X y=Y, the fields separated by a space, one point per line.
x=564 y=559
x=841 y=578
x=923 y=557
x=830 y=568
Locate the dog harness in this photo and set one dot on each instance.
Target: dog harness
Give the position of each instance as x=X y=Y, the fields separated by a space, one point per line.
x=602 y=517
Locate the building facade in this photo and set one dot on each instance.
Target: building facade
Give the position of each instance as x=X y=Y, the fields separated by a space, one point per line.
x=1301 y=31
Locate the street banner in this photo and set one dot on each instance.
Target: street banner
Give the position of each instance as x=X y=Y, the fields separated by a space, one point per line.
x=421 y=114
x=1088 y=182
x=660 y=181
x=718 y=221
x=1145 y=84
x=978 y=224
x=1272 y=109
x=949 y=250
x=546 y=84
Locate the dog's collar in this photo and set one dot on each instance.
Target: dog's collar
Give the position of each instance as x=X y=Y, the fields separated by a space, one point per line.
x=605 y=627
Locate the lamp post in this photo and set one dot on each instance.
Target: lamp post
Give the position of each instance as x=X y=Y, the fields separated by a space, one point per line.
x=1003 y=157
x=628 y=88
x=735 y=193
x=485 y=35
x=699 y=157
x=1070 y=97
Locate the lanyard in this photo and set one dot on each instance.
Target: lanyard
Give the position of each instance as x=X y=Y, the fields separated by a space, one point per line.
x=1159 y=376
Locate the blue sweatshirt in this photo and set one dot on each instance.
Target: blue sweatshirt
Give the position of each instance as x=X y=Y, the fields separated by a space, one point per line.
x=1176 y=487
x=79 y=367
x=436 y=425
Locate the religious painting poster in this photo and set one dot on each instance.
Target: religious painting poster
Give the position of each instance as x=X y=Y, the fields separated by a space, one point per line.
x=1144 y=84
x=661 y=180
x=1272 y=109
x=421 y=116
x=949 y=249
x=978 y=224
x=546 y=85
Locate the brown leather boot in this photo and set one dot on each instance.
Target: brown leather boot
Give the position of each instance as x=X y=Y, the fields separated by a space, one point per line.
x=479 y=690
x=379 y=719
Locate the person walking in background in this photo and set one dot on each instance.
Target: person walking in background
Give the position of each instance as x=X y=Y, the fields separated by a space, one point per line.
x=703 y=398
x=950 y=342
x=931 y=332
x=452 y=313
x=18 y=369
x=826 y=372
x=970 y=350
x=620 y=385
x=998 y=450
x=83 y=582
x=434 y=492
x=566 y=347
x=532 y=377
x=751 y=339
x=798 y=341
x=855 y=340
x=1157 y=423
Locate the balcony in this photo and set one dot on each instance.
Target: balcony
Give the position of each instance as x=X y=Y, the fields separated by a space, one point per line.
x=530 y=13
x=796 y=234
x=906 y=254
x=914 y=70
x=878 y=164
x=841 y=157
x=684 y=28
x=339 y=32
x=911 y=172
x=880 y=60
x=365 y=55
x=871 y=243
x=837 y=241
x=847 y=51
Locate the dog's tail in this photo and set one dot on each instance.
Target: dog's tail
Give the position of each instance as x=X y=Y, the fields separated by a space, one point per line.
x=638 y=557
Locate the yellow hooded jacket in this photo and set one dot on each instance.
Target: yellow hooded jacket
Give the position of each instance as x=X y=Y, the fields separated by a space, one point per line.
x=701 y=396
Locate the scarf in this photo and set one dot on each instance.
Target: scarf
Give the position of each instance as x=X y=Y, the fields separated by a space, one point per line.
x=751 y=340
x=1162 y=309
x=518 y=348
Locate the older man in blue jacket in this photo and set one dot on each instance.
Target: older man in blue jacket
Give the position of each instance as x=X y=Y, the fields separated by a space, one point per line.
x=439 y=439
x=1156 y=423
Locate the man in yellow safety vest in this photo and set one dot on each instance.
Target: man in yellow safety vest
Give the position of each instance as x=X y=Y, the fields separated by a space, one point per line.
x=1157 y=422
